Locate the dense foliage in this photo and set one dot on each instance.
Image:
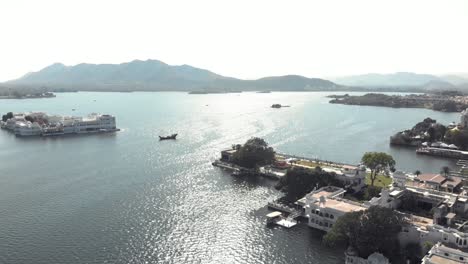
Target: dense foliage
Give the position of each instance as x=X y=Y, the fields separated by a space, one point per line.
x=255 y=152
x=300 y=181
x=377 y=162
x=7 y=116
x=373 y=230
x=457 y=137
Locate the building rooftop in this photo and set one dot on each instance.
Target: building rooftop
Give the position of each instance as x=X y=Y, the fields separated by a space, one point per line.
x=420 y=221
x=452 y=182
x=231 y=151
x=432 y=178
x=349 y=167
x=324 y=193
x=442 y=260
x=342 y=205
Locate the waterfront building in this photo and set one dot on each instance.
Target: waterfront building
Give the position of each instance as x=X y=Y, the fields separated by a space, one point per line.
x=438 y=182
x=324 y=206
x=47 y=125
x=441 y=254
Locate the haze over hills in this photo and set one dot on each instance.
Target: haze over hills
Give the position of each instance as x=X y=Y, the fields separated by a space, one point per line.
x=402 y=79
x=154 y=75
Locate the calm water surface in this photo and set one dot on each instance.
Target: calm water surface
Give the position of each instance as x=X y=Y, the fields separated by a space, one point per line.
x=128 y=198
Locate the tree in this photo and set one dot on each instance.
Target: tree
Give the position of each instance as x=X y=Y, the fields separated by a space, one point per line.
x=255 y=152
x=377 y=162
x=412 y=252
x=372 y=191
x=7 y=116
x=445 y=171
x=417 y=173
x=427 y=246
x=369 y=231
x=299 y=181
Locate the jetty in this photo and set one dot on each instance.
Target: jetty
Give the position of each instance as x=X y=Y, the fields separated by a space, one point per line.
x=278 y=218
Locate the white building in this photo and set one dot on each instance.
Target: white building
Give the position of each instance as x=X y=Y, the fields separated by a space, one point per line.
x=464 y=119
x=27 y=128
x=324 y=206
x=449 y=213
x=353 y=177
x=440 y=254
x=96 y=122
x=58 y=125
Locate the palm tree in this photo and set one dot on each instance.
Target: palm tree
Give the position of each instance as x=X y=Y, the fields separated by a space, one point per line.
x=445 y=170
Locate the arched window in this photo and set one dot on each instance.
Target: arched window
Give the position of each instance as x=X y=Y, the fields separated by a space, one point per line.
x=326 y=215
x=332 y=216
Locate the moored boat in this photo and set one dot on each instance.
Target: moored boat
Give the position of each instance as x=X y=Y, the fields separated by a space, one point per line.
x=173 y=136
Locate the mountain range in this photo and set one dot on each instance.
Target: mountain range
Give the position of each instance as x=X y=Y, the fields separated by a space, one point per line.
x=155 y=75
x=404 y=79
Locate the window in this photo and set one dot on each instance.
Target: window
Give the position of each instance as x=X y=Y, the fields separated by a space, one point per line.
x=332 y=216
x=331 y=225
x=326 y=214
x=446 y=254
x=462 y=258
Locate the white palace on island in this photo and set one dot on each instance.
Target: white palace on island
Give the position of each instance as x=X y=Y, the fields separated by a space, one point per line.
x=42 y=124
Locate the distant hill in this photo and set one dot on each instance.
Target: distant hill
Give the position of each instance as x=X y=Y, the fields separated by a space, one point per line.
x=438 y=85
x=456 y=79
x=402 y=79
x=154 y=75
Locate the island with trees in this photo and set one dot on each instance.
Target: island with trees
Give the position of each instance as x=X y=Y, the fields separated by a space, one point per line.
x=447 y=101
x=429 y=134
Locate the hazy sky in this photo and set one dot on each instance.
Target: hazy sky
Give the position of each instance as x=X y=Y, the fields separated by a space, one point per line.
x=246 y=39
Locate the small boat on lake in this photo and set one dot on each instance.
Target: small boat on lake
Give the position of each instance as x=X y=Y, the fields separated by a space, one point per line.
x=173 y=136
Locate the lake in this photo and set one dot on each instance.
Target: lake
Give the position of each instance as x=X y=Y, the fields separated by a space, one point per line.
x=130 y=198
